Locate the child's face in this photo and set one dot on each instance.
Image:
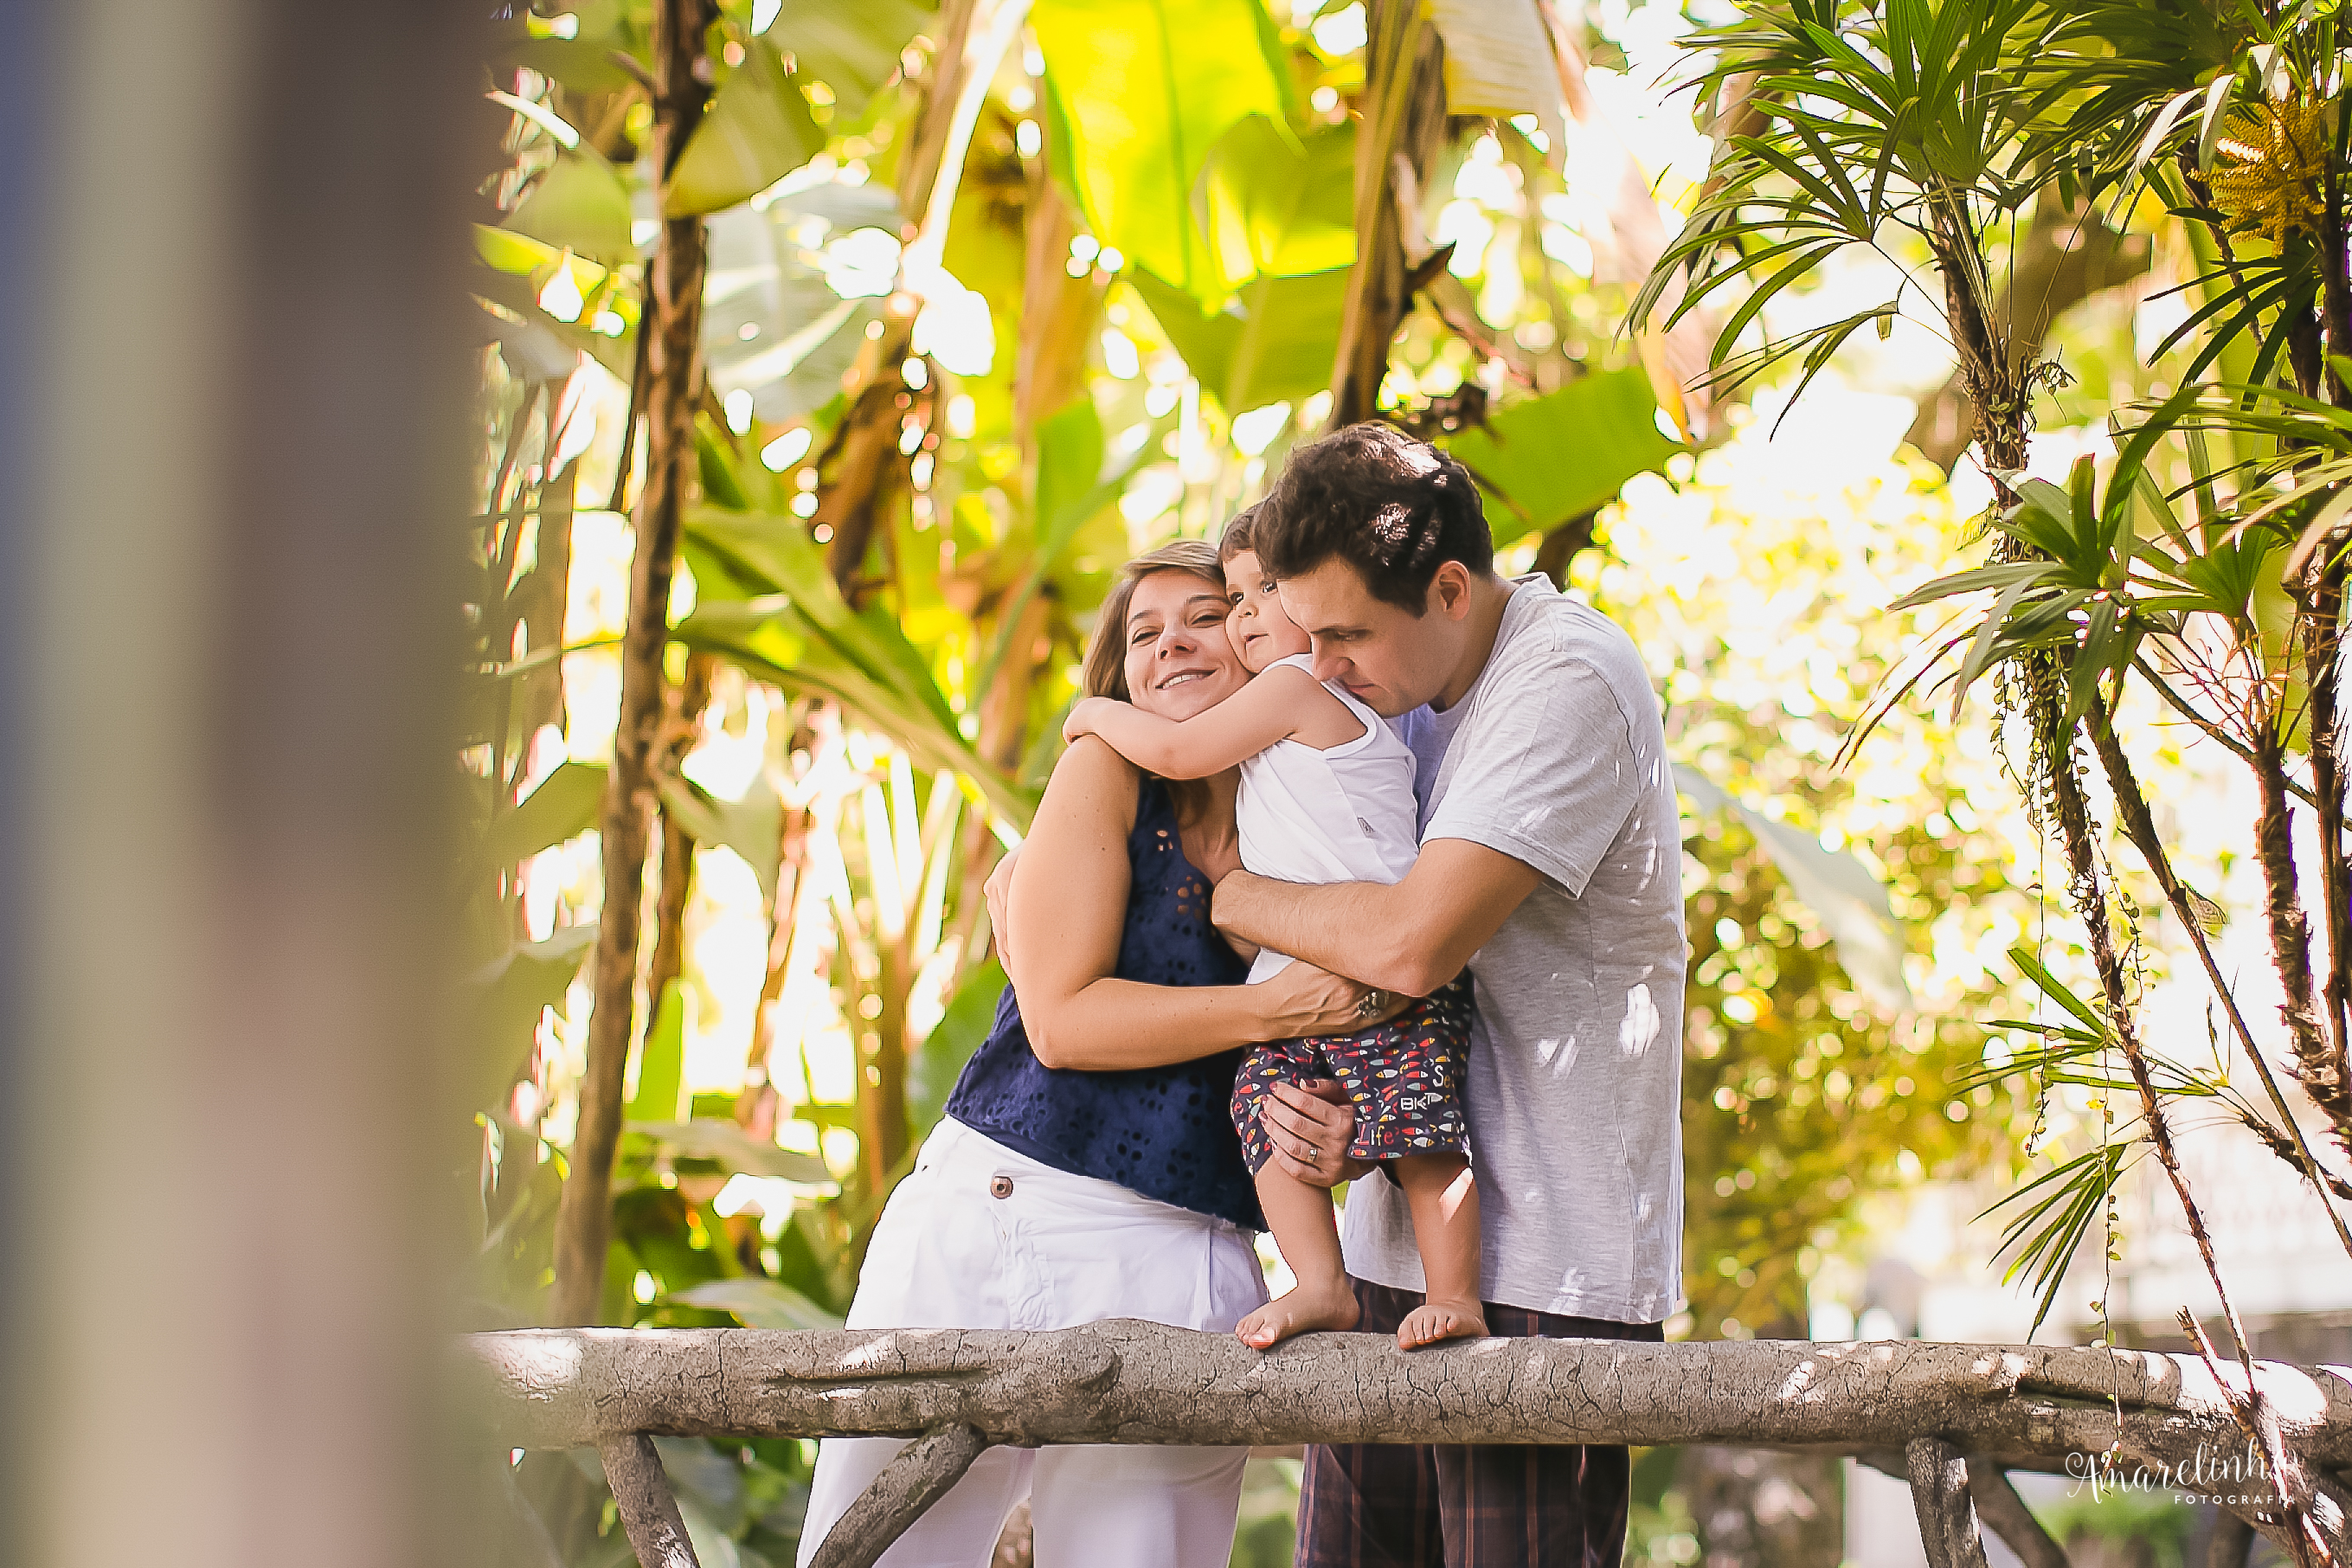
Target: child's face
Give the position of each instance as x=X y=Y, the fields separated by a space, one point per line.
x=1260 y=631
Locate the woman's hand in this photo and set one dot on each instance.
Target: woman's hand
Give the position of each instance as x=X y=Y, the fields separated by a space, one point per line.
x=1310 y=1127
x=1303 y=1000
x=1085 y=715
x=998 y=891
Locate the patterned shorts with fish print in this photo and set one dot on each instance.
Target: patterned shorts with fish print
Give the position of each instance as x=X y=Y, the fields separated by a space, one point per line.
x=1404 y=1077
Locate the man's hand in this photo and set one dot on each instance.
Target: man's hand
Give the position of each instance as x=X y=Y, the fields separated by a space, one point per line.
x=1309 y=1126
x=998 y=891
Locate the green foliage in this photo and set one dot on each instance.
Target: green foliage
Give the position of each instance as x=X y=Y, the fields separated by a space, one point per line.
x=564 y=806
x=1659 y=1530
x=1799 y=1097
x=1266 y=1535
x=2204 y=563
x=1831 y=1019
x=931 y=1074
x=1550 y=458
x=1886 y=115
x=769 y=604
x=1847 y=902
x=2155 y=1519
x=503 y=1001
x=1148 y=88
x=582 y=62
x=853 y=49
x=760 y=1304
x=749 y=826
x=758 y=129
x=1272 y=343
x=579 y=202
x=1282 y=204
x=771 y=325
x=661 y=1063
x=518 y=272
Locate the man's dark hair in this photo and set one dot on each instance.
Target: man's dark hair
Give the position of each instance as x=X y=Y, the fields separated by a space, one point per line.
x=1389 y=505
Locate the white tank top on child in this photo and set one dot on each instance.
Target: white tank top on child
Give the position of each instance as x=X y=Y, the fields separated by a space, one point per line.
x=1346 y=815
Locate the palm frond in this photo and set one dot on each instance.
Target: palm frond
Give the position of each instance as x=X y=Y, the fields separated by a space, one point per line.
x=2053 y=1213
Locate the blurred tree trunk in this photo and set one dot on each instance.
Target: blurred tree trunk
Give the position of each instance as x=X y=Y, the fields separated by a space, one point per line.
x=686 y=706
x=1059 y=313
x=673 y=320
x=862 y=465
x=756 y=1107
x=1059 y=317
x=1402 y=113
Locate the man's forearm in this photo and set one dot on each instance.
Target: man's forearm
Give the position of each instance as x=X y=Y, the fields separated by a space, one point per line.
x=1355 y=929
x=1412 y=937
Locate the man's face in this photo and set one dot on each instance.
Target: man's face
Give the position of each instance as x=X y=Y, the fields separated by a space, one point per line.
x=1389 y=658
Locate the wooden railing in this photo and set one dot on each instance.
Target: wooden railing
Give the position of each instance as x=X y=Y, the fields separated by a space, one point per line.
x=1952 y=1419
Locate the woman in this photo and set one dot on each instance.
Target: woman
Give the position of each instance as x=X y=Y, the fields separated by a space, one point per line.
x=1088 y=1167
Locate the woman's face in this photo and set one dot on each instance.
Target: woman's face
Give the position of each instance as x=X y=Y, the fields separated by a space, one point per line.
x=1179 y=660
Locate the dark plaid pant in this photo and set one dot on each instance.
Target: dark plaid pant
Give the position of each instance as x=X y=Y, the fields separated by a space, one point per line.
x=1496 y=1506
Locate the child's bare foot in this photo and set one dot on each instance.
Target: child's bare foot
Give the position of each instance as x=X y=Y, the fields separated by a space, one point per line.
x=1436 y=1320
x=1303 y=1309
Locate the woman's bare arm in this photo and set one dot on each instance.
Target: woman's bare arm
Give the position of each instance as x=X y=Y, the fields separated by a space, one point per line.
x=1065 y=914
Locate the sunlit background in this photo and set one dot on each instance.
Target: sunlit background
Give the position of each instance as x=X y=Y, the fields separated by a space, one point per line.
x=1852 y=917
x=998 y=294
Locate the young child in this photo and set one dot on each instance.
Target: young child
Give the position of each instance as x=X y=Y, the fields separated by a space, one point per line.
x=1327 y=796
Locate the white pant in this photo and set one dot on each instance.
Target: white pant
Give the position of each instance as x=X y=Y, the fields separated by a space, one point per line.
x=978 y=1237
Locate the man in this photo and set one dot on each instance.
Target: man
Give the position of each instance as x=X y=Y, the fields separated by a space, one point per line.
x=1551 y=866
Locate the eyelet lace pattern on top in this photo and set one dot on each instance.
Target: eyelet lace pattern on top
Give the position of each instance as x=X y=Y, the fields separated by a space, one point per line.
x=1162 y=1131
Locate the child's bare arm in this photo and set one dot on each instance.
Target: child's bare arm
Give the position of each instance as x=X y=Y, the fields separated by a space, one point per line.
x=1270 y=707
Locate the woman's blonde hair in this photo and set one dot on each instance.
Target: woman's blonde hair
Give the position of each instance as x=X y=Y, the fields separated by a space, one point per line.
x=1106 y=654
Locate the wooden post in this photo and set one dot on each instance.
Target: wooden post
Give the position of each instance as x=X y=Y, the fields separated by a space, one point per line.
x=633 y=1468
x=234 y=422
x=1404 y=114
x=910 y=1483
x=1947 y=1514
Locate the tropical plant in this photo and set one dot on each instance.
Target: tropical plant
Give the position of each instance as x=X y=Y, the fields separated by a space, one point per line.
x=987 y=300
x=2206 y=570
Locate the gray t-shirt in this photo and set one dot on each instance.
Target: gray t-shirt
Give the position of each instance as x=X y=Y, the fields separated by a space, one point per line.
x=1557 y=758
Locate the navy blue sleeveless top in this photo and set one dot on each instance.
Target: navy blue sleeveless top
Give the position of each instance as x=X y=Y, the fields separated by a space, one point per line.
x=1167 y=1132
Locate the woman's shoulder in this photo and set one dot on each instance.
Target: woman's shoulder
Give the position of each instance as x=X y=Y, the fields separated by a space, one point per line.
x=1090 y=772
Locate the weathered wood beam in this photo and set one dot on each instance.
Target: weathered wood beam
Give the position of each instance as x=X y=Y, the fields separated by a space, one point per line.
x=1947 y=1514
x=1126 y=1382
x=649 y=1509
x=917 y=1479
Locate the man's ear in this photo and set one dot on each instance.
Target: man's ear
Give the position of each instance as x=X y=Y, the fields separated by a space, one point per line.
x=1449 y=591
